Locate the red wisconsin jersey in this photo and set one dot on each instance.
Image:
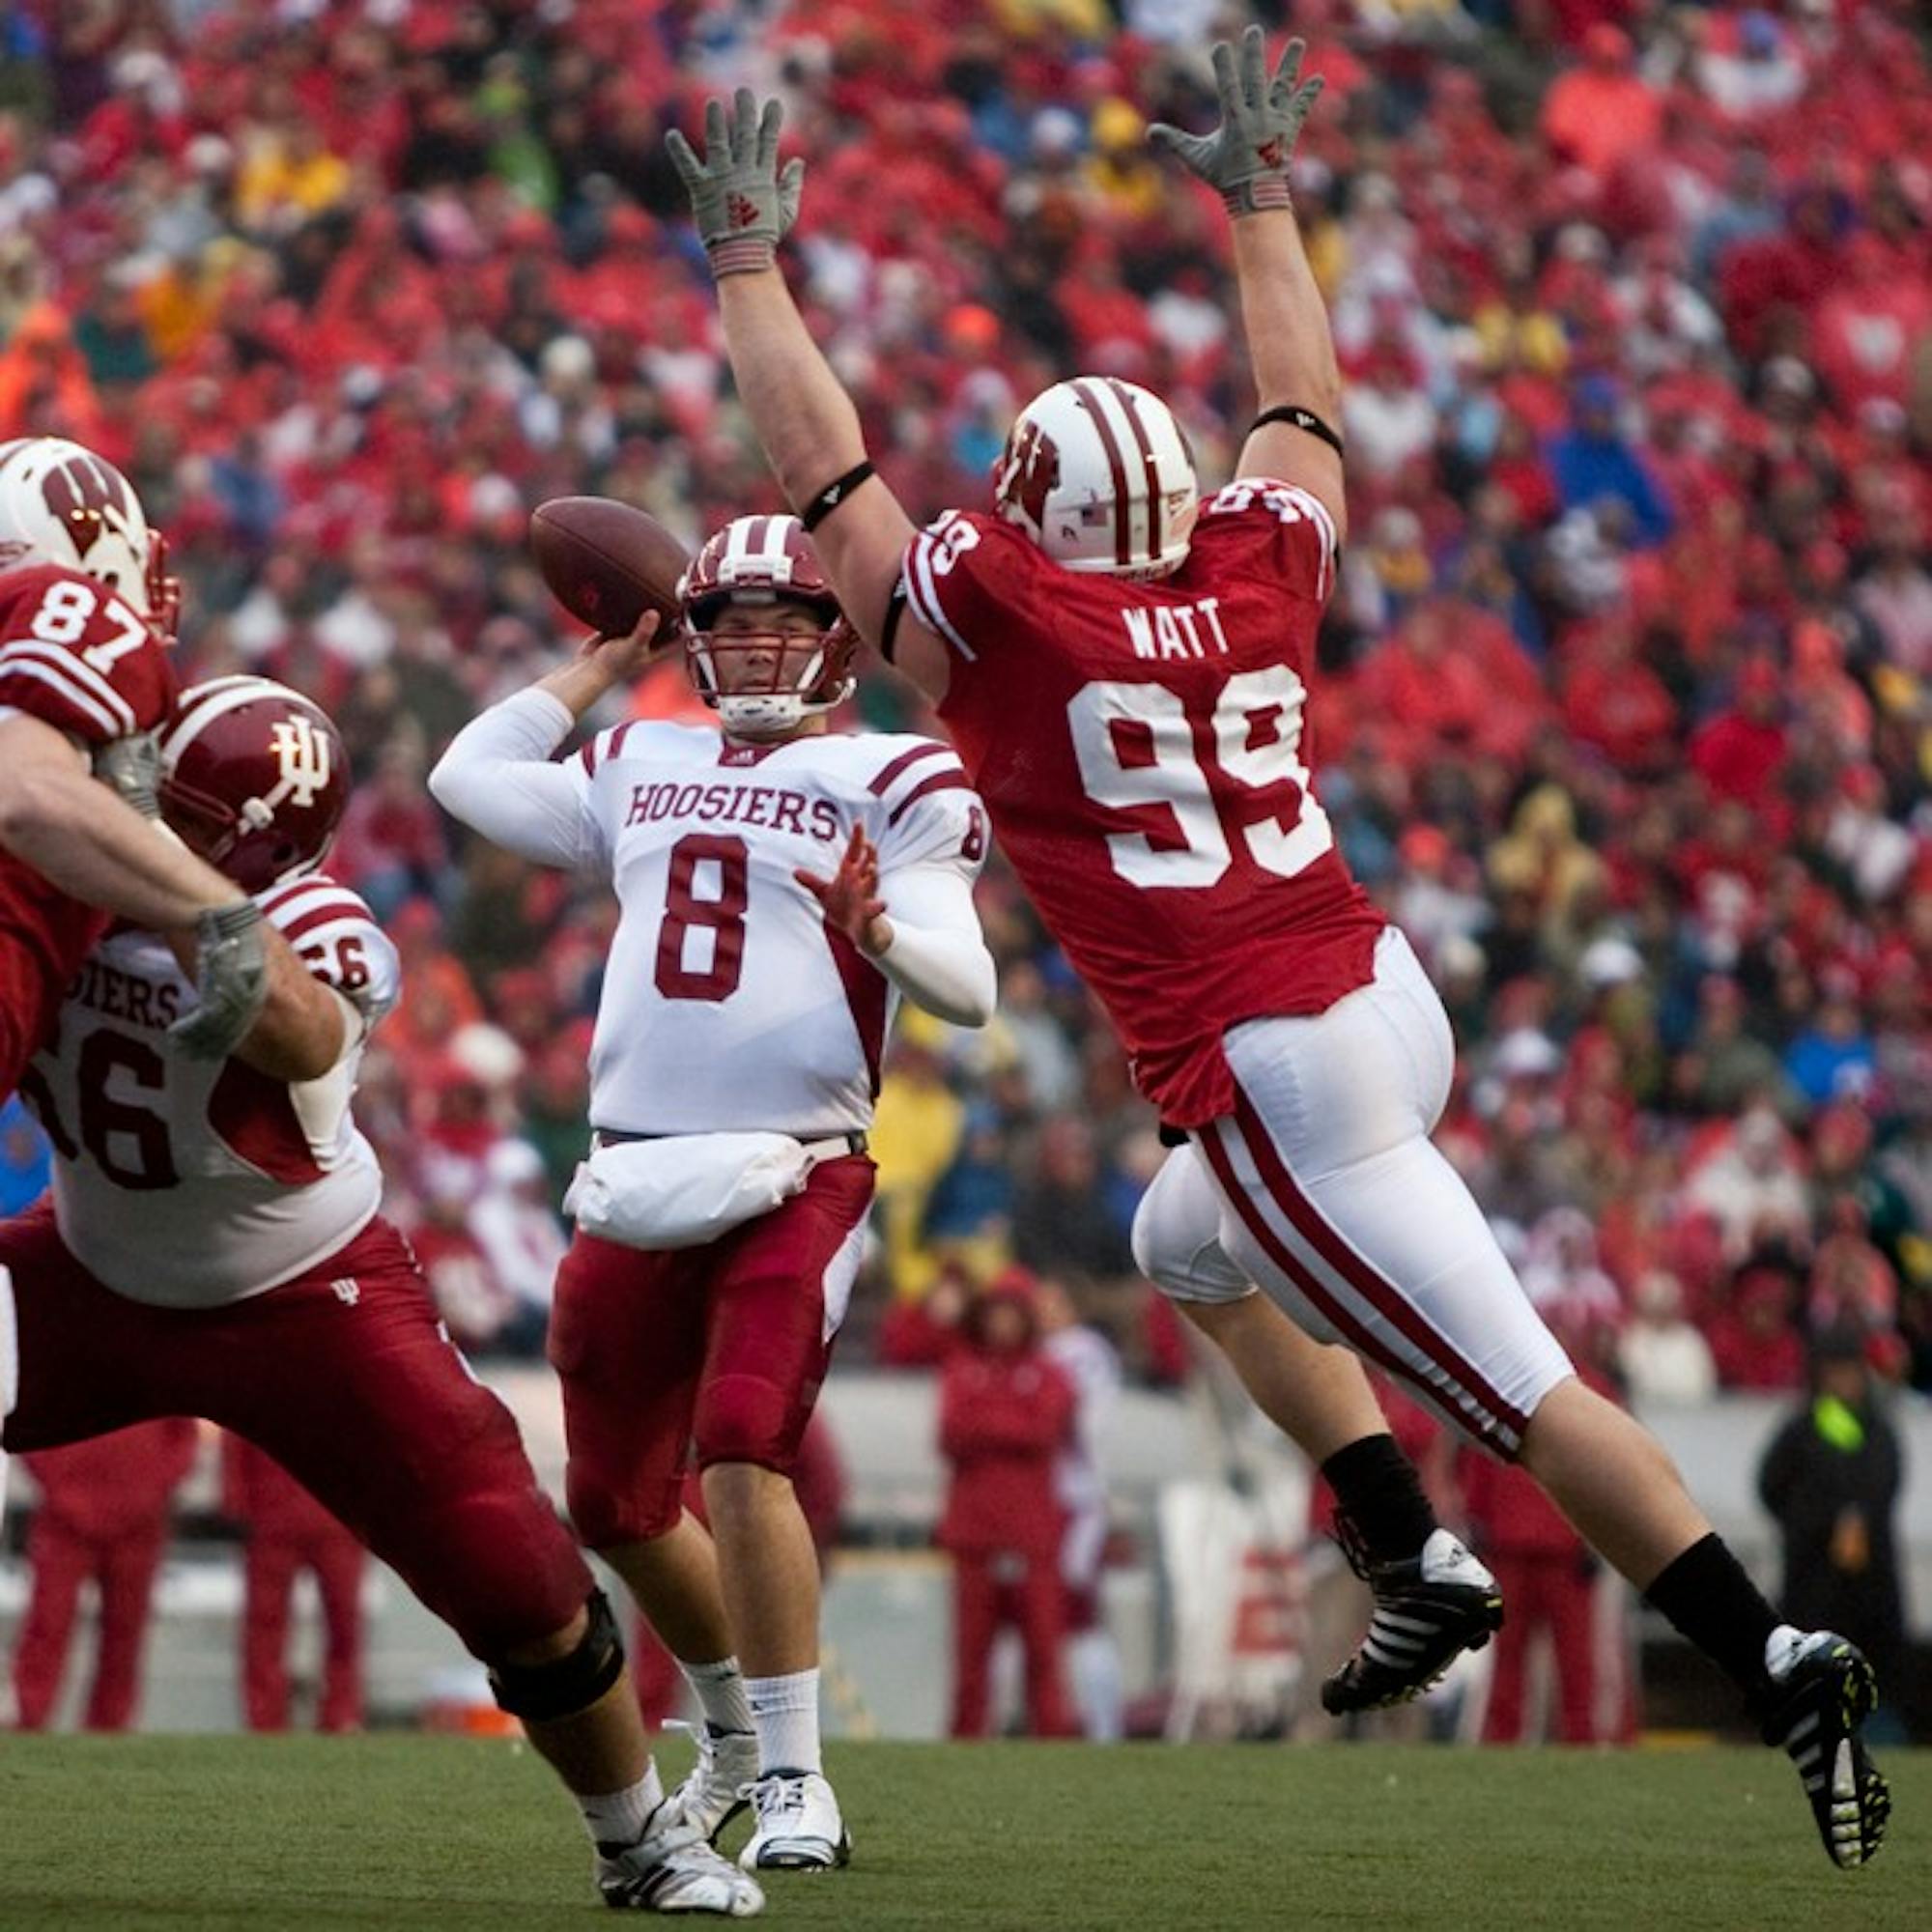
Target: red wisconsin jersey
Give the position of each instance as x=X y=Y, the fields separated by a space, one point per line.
x=1143 y=749
x=73 y=655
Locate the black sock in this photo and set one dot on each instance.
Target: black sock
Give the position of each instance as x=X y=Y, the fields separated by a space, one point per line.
x=1378 y=1490
x=1707 y=1595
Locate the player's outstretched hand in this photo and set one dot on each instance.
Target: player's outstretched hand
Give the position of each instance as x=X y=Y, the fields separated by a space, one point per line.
x=850 y=896
x=1248 y=155
x=231 y=980
x=132 y=767
x=744 y=206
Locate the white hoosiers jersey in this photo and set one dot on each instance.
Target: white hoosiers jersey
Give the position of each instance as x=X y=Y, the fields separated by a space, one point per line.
x=189 y=1183
x=727 y=1002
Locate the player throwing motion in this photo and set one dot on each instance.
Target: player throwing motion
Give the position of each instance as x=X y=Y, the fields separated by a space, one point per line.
x=1124 y=671
x=745 y=1009
x=213 y=1248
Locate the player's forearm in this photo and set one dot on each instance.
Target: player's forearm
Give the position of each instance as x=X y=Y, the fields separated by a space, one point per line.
x=303 y=1027
x=948 y=974
x=83 y=840
x=928 y=944
x=499 y=777
x=801 y=412
x=1285 y=320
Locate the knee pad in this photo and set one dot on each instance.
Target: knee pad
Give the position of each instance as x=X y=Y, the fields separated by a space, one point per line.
x=1176 y=1234
x=565 y=1685
x=748 y=1419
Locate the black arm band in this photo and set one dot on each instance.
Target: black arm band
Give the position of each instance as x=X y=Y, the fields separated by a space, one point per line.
x=1296 y=417
x=832 y=495
x=888 y=631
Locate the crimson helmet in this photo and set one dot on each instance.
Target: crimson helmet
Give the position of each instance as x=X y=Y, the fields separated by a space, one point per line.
x=765 y=560
x=255 y=778
x=61 y=504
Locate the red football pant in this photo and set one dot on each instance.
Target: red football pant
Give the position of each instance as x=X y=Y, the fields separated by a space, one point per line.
x=270 y=1570
x=720 y=1348
x=344 y=1376
x=1552 y=1593
x=1037 y=1601
x=123 y=1570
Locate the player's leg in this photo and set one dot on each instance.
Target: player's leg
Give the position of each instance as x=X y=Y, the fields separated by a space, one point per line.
x=267 y=1587
x=1349 y=1215
x=778 y=1294
x=58 y=1562
x=124 y=1576
x=628 y=1340
x=337 y=1563
x=367 y=1405
x=1429 y=1606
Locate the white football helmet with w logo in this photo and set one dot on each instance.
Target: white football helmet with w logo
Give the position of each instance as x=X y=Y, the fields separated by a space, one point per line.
x=255 y=778
x=61 y=504
x=1097 y=472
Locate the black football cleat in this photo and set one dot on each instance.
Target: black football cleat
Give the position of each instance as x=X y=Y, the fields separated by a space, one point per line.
x=1823 y=1691
x=1429 y=1610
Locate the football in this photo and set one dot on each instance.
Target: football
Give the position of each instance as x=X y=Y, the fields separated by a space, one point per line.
x=605 y=562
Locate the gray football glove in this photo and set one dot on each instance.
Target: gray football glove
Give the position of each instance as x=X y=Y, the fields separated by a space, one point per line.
x=231 y=980
x=744 y=206
x=1247 y=155
x=132 y=767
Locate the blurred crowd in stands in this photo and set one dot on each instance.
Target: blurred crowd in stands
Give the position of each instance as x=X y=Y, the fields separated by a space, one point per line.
x=1628 y=706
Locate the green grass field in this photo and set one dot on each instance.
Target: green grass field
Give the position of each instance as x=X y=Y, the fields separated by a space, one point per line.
x=405 y=1832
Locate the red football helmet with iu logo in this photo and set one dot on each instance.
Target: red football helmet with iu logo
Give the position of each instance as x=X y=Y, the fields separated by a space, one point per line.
x=255 y=778
x=776 y=678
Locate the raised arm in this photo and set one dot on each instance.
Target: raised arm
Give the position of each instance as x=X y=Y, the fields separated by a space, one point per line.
x=81 y=838
x=1282 y=315
x=499 y=776
x=805 y=421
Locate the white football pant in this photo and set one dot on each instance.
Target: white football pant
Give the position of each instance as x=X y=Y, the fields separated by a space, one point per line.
x=1324 y=1189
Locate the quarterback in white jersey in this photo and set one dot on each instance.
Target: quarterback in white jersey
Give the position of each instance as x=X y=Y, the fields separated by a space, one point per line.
x=780 y=888
x=214 y=1248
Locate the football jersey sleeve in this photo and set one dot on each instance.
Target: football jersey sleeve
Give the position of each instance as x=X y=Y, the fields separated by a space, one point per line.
x=75 y=656
x=927 y=811
x=335 y=935
x=500 y=777
x=1273 y=528
x=966 y=579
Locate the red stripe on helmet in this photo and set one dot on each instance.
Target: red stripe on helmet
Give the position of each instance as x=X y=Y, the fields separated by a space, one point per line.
x=1123 y=553
x=1131 y=405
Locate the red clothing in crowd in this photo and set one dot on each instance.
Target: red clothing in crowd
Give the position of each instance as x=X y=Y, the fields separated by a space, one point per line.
x=1548 y=1582
x=103 y=1515
x=1005 y=1412
x=289 y=1532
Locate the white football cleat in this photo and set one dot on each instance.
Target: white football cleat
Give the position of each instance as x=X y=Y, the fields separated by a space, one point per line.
x=670 y=1868
x=714 y=1791
x=799 y=1827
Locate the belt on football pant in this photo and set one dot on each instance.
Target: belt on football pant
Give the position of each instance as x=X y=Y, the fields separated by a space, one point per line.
x=834 y=1147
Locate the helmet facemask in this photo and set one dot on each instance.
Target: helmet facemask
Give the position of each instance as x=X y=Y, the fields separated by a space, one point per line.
x=766 y=661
